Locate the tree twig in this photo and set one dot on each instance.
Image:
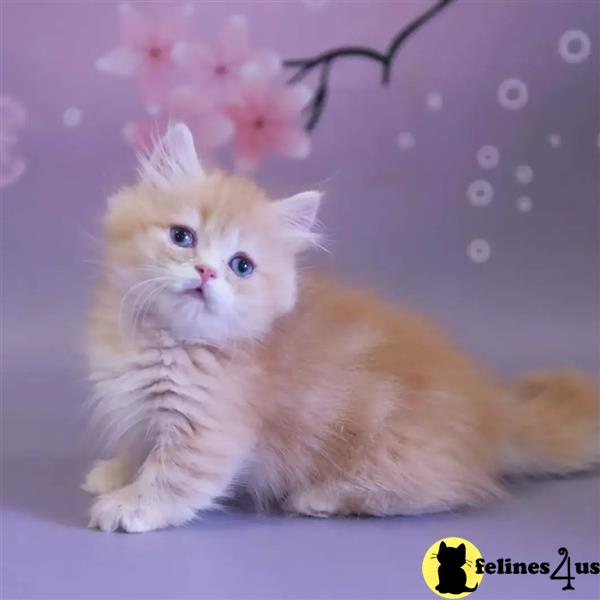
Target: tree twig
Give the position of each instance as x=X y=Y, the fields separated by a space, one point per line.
x=325 y=61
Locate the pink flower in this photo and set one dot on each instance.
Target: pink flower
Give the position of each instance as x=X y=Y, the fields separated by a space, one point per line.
x=217 y=68
x=268 y=118
x=12 y=117
x=148 y=40
x=198 y=110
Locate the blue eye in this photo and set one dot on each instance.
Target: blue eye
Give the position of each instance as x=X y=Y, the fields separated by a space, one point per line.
x=182 y=236
x=241 y=265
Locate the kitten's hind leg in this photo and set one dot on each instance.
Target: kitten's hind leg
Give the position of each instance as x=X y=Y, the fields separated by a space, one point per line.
x=108 y=475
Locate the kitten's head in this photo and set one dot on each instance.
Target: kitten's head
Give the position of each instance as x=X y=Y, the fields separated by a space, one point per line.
x=208 y=254
x=452 y=557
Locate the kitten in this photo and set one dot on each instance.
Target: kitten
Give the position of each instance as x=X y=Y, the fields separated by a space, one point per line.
x=214 y=363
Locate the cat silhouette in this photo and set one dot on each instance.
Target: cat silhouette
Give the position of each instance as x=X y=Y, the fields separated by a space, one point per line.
x=452 y=577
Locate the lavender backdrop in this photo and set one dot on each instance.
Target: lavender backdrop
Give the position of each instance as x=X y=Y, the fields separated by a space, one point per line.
x=397 y=164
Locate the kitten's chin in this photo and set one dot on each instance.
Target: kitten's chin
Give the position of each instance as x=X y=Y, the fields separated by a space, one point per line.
x=198 y=294
x=193 y=314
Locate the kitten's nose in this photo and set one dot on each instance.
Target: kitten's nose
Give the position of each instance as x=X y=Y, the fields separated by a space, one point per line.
x=206 y=273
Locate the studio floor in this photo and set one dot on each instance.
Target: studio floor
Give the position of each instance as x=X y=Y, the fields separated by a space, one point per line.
x=47 y=552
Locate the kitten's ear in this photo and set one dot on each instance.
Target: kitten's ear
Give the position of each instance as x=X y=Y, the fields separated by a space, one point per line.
x=462 y=549
x=173 y=161
x=442 y=546
x=300 y=211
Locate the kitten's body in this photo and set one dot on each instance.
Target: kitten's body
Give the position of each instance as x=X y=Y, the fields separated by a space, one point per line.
x=325 y=400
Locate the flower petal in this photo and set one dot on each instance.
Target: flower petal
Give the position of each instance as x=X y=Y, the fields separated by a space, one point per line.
x=174 y=24
x=290 y=141
x=269 y=62
x=122 y=61
x=154 y=81
x=250 y=150
x=255 y=89
x=134 y=26
x=186 y=102
x=291 y=100
x=233 y=39
x=198 y=59
x=213 y=129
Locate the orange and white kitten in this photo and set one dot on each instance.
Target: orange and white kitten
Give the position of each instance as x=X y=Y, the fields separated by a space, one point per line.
x=214 y=363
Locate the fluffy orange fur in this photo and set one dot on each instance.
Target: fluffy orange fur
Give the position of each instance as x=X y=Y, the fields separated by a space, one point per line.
x=311 y=394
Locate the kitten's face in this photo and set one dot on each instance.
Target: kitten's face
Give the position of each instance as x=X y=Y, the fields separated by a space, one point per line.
x=213 y=260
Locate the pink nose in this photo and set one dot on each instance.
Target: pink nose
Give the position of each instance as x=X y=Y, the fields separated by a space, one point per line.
x=206 y=273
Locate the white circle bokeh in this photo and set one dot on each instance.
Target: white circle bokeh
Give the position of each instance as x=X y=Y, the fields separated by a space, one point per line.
x=524 y=204
x=574 y=46
x=480 y=192
x=488 y=157
x=434 y=101
x=72 y=117
x=479 y=251
x=406 y=140
x=524 y=174
x=513 y=94
x=555 y=140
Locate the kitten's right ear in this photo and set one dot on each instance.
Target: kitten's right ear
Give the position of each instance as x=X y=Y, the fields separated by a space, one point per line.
x=442 y=546
x=173 y=161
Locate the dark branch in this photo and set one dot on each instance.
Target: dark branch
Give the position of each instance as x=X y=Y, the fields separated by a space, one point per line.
x=405 y=34
x=325 y=60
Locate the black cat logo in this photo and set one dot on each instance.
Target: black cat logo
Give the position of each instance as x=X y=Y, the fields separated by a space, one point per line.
x=452 y=577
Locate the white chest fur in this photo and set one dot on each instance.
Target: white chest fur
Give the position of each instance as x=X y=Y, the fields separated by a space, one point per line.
x=136 y=390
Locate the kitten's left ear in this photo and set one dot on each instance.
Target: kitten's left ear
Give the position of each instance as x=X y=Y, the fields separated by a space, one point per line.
x=173 y=160
x=300 y=211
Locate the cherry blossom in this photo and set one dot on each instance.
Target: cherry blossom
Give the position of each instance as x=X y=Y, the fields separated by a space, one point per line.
x=268 y=118
x=218 y=67
x=201 y=112
x=146 y=53
x=211 y=127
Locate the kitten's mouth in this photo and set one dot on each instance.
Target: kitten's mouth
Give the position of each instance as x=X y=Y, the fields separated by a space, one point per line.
x=196 y=292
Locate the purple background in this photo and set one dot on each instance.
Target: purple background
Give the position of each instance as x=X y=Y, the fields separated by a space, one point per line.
x=397 y=220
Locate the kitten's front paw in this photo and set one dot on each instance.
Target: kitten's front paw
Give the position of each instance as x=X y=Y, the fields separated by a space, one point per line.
x=106 y=476
x=131 y=511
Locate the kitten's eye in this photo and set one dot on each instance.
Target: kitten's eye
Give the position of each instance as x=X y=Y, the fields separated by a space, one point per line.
x=241 y=265
x=182 y=236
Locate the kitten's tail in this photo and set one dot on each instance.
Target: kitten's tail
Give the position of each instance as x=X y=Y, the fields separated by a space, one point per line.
x=556 y=423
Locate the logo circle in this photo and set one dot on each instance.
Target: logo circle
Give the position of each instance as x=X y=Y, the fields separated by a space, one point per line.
x=449 y=567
